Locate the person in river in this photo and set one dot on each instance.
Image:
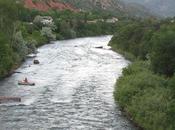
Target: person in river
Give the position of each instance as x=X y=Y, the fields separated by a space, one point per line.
x=26 y=80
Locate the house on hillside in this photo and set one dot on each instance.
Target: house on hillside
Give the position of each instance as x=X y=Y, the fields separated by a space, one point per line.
x=112 y=20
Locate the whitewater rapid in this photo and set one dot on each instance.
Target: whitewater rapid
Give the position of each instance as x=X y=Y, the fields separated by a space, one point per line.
x=74 y=89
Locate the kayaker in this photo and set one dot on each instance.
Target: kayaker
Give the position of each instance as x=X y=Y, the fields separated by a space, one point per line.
x=26 y=80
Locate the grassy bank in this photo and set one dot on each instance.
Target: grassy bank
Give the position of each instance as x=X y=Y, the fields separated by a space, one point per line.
x=146 y=88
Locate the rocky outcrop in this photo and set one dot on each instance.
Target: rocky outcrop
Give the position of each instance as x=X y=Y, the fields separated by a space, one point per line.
x=47 y=5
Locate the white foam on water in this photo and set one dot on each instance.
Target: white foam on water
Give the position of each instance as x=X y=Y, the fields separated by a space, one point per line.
x=29 y=101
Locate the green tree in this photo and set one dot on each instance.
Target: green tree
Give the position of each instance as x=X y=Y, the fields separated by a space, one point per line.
x=163 y=52
x=6 y=59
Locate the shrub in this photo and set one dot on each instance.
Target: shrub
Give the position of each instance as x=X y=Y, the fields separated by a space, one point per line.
x=20 y=45
x=146 y=97
x=36 y=35
x=47 y=32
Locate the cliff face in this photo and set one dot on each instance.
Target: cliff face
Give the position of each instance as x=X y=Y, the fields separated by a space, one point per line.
x=48 y=4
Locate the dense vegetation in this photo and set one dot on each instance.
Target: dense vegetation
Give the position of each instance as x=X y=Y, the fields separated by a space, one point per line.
x=22 y=30
x=146 y=89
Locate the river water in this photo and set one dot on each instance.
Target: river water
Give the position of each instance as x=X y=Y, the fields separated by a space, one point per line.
x=74 y=89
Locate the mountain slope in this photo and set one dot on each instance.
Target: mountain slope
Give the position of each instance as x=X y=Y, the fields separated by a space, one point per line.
x=137 y=10
x=45 y=5
x=161 y=7
x=115 y=7
x=92 y=4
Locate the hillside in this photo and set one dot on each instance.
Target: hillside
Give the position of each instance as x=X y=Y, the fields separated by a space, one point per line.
x=137 y=10
x=95 y=4
x=115 y=7
x=163 y=8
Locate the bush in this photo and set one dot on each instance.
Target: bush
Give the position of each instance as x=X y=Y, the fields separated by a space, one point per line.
x=47 y=32
x=146 y=97
x=163 y=52
x=20 y=45
x=133 y=38
x=59 y=37
x=31 y=45
x=135 y=82
x=36 y=35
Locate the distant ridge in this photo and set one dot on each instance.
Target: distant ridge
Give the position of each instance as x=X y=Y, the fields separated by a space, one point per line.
x=165 y=8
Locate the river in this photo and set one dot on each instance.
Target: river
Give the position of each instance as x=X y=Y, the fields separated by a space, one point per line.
x=73 y=91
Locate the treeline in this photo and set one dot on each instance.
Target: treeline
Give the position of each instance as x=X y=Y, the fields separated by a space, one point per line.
x=22 y=30
x=147 y=88
x=9 y=14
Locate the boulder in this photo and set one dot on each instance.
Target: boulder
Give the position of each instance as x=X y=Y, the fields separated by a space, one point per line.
x=36 y=62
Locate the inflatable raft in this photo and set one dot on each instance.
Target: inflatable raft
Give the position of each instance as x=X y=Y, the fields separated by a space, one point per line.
x=9 y=99
x=26 y=83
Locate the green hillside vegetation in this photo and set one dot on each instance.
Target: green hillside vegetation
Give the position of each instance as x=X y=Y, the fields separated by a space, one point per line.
x=146 y=89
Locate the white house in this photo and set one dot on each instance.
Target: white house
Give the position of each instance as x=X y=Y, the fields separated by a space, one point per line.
x=112 y=20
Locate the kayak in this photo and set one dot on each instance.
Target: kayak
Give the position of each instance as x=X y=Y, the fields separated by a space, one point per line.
x=26 y=83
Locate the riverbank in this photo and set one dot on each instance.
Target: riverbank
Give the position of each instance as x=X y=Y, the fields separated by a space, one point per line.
x=144 y=94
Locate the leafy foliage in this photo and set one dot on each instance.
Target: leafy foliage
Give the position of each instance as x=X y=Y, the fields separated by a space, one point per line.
x=6 y=61
x=47 y=32
x=163 y=52
x=146 y=97
x=147 y=40
x=146 y=89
